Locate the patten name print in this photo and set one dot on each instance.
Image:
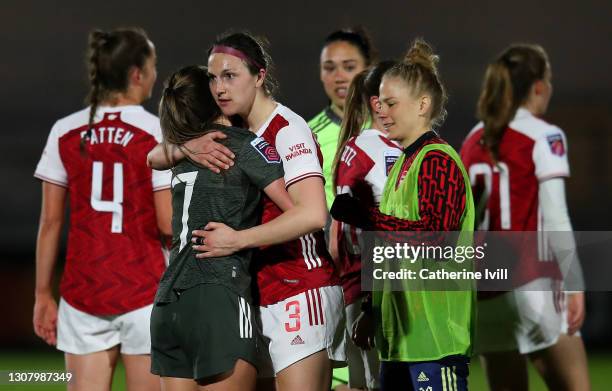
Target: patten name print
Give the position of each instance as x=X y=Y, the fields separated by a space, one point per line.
x=297 y=150
x=109 y=135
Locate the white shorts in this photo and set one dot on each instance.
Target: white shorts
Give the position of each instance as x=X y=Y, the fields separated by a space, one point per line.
x=81 y=333
x=302 y=325
x=363 y=365
x=528 y=319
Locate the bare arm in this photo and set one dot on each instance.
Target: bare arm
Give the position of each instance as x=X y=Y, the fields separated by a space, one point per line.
x=203 y=150
x=163 y=213
x=278 y=194
x=47 y=246
x=157 y=158
x=333 y=241
x=309 y=214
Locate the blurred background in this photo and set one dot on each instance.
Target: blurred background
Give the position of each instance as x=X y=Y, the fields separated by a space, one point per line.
x=43 y=78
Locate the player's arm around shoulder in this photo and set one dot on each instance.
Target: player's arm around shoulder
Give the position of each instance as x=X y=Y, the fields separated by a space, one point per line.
x=204 y=150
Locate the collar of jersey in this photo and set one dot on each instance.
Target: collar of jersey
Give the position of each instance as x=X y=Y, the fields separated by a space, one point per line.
x=522 y=113
x=263 y=127
x=418 y=143
x=333 y=116
x=104 y=109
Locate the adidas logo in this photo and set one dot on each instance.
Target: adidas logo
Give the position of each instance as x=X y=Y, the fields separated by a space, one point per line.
x=422 y=377
x=299 y=341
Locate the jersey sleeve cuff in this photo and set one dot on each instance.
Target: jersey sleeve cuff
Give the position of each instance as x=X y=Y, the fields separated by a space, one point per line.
x=302 y=177
x=162 y=187
x=46 y=178
x=553 y=175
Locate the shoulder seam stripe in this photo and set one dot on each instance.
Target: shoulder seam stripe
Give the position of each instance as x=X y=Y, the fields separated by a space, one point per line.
x=319 y=127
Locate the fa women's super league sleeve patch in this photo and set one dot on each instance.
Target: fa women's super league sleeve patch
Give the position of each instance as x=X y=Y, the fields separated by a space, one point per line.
x=266 y=150
x=555 y=141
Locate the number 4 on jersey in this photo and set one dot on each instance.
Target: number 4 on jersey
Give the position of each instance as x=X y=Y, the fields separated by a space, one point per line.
x=115 y=206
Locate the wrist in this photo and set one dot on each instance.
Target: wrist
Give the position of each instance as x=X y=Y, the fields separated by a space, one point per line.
x=43 y=292
x=243 y=240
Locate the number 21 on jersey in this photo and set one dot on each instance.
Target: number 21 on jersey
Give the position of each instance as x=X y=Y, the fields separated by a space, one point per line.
x=486 y=171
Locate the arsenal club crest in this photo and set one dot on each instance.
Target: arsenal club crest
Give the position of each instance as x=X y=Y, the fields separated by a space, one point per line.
x=390 y=160
x=555 y=142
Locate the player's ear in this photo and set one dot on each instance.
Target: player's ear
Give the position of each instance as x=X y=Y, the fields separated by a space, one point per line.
x=261 y=76
x=135 y=76
x=424 y=105
x=538 y=87
x=375 y=104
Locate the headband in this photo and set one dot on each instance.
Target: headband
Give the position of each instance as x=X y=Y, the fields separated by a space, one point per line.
x=236 y=53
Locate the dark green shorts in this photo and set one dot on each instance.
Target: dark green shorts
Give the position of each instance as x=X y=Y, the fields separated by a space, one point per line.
x=202 y=334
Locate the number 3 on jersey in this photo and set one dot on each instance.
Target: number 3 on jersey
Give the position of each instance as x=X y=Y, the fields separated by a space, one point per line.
x=485 y=170
x=188 y=178
x=115 y=206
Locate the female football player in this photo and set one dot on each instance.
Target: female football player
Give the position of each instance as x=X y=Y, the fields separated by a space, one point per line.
x=202 y=322
x=345 y=53
x=299 y=295
x=517 y=163
x=423 y=337
x=119 y=209
x=360 y=168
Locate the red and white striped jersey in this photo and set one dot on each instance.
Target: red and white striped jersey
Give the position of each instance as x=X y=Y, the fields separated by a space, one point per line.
x=362 y=172
x=291 y=268
x=531 y=151
x=114 y=259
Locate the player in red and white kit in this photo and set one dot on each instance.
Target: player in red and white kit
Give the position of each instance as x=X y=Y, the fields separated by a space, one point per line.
x=360 y=169
x=119 y=210
x=300 y=296
x=518 y=163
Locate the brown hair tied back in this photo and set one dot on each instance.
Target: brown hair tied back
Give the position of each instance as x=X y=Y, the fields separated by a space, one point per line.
x=506 y=87
x=110 y=56
x=187 y=108
x=254 y=48
x=358 y=112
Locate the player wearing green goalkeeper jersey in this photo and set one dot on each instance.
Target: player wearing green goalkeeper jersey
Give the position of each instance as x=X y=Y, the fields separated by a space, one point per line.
x=345 y=53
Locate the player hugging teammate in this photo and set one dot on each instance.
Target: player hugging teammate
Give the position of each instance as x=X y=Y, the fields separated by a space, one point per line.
x=299 y=296
x=243 y=304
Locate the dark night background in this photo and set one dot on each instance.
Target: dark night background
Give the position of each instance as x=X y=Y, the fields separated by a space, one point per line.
x=43 y=78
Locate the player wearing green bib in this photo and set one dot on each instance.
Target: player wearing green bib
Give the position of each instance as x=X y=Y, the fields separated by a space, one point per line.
x=423 y=337
x=345 y=53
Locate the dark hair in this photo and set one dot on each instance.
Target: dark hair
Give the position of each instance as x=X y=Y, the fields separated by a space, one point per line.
x=187 y=108
x=506 y=86
x=419 y=70
x=110 y=56
x=255 y=49
x=358 y=37
x=358 y=110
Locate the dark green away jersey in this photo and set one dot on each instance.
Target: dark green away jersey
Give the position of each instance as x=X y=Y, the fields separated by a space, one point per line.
x=232 y=197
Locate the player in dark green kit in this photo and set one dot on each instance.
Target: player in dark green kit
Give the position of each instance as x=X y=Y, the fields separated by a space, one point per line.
x=202 y=322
